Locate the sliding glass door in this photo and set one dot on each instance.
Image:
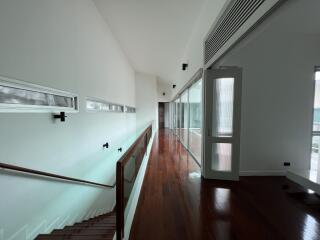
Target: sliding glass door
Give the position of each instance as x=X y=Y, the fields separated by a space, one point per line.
x=195 y=122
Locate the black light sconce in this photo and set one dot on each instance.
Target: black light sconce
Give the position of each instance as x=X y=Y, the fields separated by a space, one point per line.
x=119 y=149
x=106 y=145
x=184 y=66
x=173 y=86
x=164 y=94
x=62 y=116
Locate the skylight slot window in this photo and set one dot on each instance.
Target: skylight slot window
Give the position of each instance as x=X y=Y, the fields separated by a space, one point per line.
x=128 y=109
x=97 y=105
x=19 y=96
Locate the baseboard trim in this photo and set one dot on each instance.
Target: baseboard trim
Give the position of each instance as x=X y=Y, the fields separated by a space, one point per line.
x=263 y=173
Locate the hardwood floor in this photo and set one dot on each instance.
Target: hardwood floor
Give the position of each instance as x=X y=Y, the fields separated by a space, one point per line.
x=175 y=203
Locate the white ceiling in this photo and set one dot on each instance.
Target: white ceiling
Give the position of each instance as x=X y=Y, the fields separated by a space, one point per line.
x=152 y=33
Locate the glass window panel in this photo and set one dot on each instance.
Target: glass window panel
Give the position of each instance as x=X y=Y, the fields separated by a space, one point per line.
x=223 y=93
x=11 y=95
x=184 y=118
x=195 y=119
x=96 y=105
x=315 y=154
x=177 y=129
x=221 y=156
x=316 y=110
x=317 y=77
x=316 y=125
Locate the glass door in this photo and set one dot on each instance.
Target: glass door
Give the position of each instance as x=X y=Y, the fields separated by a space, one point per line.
x=222 y=123
x=315 y=153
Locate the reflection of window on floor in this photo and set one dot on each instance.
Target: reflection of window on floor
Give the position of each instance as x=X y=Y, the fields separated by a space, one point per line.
x=315 y=153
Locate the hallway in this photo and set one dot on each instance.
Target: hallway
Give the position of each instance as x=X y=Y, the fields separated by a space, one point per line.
x=175 y=203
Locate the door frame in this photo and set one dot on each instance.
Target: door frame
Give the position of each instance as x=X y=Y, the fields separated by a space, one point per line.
x=207 y=172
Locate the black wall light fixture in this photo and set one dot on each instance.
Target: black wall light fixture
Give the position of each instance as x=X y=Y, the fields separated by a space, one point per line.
x=173 y=86
x=106 y=145
x=164 y=94
x=184 y=66
x=62 y=116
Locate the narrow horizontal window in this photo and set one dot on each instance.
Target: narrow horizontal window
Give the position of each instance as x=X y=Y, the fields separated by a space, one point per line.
x=97 y=105
x=128 y=109
x=18 y=96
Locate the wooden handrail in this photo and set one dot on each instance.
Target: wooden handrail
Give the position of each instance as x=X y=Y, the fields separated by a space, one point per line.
x=51 y=175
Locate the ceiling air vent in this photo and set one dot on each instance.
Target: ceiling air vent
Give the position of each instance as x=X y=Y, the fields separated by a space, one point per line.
x=229 y=24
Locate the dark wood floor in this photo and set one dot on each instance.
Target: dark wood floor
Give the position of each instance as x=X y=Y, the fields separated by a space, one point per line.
x=175 y=203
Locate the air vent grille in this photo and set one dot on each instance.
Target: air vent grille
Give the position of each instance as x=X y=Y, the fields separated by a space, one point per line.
x=237 y=15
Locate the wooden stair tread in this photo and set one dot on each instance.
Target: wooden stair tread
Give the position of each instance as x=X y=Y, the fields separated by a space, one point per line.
x=83 y=231
x=73 y=238
x=83 y=228
x=102 y=227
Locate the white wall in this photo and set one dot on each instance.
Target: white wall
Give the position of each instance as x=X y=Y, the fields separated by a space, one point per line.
x=63 y=44
x=164 y=87
x=278 y=63
x=146 y=99
x=193 y=54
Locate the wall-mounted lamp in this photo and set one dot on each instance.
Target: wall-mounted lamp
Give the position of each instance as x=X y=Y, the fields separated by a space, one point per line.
x=173 y=86
x=184 y=66
x=62 y=116
x=106 y=145
x=164 y=94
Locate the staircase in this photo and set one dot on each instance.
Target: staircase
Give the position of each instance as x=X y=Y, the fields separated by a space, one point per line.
x=97 y=228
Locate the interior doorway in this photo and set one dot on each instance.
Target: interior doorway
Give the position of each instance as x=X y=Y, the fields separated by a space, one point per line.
x=161 y=113
x=222 y=123
x=315 y=154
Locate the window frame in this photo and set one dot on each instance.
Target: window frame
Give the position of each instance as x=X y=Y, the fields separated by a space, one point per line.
x=28 y=108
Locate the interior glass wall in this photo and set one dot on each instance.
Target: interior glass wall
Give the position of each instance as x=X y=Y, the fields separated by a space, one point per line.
x=195 y=122
x=173 y=117
x=177 y=116
x=184 y=118
x=187 y=118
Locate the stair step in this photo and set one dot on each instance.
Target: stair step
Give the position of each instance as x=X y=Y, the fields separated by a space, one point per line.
x=101 y=219
x=94 y=224
x=101 y=222
x=102 y=227
x=84 y=231
x=53 y=237
x=91 y=228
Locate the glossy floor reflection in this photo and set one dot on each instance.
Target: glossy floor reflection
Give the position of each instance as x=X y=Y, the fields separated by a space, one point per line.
x=176 y=203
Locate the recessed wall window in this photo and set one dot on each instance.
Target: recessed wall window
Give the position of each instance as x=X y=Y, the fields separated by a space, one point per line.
x=97 y=105
x=19 y=96
x=128 y=109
